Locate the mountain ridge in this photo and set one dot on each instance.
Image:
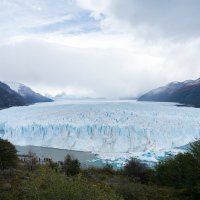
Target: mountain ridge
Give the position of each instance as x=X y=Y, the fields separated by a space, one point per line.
x=186 y=92
x=27 y=93
x=17 y=94
x=9 y=98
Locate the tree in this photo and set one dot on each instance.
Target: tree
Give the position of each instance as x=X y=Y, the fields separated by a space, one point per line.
x=182 y=171
x=179 y=171
x=195 y=150
x=108 y=168
x=71 y=166
x=31 y=161
x=136 y=170
x=8 y=155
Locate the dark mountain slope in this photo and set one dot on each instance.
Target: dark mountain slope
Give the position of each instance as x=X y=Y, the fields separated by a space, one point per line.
x=27 y=93
x=187 y=95
x=9 y=98
x=187 y=92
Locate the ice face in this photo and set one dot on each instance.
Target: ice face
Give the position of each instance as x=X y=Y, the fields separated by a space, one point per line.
x=104 y=127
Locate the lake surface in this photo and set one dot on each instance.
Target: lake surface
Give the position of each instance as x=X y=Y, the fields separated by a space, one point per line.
x=86 y=159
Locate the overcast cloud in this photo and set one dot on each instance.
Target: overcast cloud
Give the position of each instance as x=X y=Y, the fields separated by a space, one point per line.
x=111 y=48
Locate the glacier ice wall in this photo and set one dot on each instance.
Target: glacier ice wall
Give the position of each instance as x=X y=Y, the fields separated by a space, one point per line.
x=101 y=126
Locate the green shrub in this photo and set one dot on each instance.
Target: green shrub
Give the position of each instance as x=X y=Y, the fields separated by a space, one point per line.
x=195 y=150
x=53 y=165
x=177 y=172
x=108 y=169
x=71 y=166
x=182 y=172
x=49 y=185
x=154 y=192
x=8 y=155
x=132 y=191
x=31 y=161
x=136 y=170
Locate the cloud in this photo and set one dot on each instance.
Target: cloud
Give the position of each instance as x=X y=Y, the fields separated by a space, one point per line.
x=177 y=19
x=106 y=48
x=106 y=72
x=43 y=16
x=111 y=72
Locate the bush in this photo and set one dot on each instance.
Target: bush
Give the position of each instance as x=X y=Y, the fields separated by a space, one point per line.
x=108 y=169
x=137 y=171
x=8 y=155
x=182 y=172
x=31 y=161
x=71 y=166
x=154 y=192
x=195 y=150
x=49 y=185
x=132 y=191
x=178 y=172
x=52 y=165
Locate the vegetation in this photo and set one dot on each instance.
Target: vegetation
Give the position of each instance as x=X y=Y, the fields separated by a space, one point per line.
x=47 y=184
x=71 y=166
x=177 y=178
x=137 y=171
x=182 y=172
x=8 y=155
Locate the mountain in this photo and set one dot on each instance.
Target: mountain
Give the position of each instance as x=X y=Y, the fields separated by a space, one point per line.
x=27 y=93
x=187 y=92
x=9 y=98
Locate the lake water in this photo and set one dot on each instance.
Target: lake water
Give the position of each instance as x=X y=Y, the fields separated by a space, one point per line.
x=86 y=159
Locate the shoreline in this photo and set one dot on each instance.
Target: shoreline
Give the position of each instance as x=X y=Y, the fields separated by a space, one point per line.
x=56 y=154
x=54 y=148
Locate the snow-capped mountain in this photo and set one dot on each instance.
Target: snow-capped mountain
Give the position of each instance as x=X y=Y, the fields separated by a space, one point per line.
x=27 y=93
x=9 y=98
x=187 y=92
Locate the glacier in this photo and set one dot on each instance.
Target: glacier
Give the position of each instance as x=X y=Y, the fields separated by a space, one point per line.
x=110 y=128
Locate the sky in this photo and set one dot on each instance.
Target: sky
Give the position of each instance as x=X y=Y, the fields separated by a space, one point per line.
x=99 y=48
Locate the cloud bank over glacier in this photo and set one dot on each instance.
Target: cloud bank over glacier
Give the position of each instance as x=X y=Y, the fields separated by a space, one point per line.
x=108 y=48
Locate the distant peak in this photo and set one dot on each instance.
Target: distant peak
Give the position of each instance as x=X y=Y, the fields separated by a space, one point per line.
x=173 y=83
x=198 y=80
x=14 y=85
